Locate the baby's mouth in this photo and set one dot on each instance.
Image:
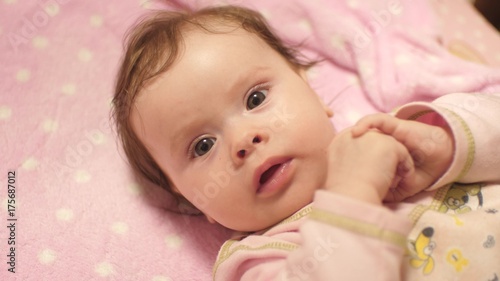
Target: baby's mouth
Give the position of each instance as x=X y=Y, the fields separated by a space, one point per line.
x=268 y=174
x=273 y=175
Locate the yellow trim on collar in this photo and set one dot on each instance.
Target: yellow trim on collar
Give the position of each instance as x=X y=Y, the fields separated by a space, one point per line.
x=359 y=227
x=226 y=252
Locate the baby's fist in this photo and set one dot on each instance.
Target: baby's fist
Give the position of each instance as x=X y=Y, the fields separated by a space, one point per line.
x=431 y=148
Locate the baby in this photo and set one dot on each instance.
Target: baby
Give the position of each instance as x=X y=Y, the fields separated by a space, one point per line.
x=213 y=107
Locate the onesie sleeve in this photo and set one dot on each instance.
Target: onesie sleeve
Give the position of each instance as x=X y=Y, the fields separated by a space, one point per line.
x=365 y=241
x=474 y=120
x=339 y=239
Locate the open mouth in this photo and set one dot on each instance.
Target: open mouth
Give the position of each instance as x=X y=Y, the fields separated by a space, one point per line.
x=275 y=177
x=268 y=174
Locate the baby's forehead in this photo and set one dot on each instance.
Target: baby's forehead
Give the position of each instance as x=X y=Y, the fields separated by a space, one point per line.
x=225 y=29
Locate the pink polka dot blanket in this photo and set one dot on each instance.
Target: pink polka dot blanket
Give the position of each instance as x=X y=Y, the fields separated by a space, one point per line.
x=70 y=206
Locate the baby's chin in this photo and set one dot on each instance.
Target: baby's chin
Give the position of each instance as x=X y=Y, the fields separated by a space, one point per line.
x=253 y=226
x=262 y=225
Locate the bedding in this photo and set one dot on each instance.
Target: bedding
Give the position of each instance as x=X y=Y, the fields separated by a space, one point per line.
x=71 y=209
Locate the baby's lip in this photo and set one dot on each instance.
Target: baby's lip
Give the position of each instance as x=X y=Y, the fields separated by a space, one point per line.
x=268 y=164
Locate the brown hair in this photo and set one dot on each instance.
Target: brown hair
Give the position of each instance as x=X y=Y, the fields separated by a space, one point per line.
x=152 y=46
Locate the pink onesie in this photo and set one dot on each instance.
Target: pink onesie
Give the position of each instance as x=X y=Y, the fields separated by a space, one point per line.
x=448 y=232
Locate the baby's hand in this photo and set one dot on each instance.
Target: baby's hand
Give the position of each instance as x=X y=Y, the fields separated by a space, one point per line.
x=366 y=167
x=431 y=148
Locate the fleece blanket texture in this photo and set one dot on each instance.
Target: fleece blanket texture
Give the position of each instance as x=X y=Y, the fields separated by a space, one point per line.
x=70 y=206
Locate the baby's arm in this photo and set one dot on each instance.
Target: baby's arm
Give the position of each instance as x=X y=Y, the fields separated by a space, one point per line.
x=345 y=238
x=472 y=120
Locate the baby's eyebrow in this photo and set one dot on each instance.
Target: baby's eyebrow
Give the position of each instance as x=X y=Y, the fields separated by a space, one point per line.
x=249 y=73
x=181 y=135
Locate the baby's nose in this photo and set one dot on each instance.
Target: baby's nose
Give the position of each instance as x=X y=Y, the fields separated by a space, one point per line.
x=243 y=152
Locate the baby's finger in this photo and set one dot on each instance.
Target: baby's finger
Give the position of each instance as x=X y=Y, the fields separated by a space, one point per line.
x=381 y=121
x=359 y=129
x=403 y=174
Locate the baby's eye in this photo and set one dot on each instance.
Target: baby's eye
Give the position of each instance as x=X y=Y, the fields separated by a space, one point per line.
x=203 y=146
x=256 y=98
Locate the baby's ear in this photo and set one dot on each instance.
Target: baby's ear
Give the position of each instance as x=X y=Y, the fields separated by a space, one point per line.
x=328 y=110
x=303 y=74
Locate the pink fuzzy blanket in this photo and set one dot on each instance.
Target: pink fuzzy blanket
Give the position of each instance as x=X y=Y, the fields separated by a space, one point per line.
x=70 y=208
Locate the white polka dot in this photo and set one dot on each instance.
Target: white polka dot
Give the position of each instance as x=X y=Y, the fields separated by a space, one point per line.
x=68 y=89
x=459 y=35
x=104 y=269
x=352 y=79
x=353 y=3
x=444 y=10
x=366 y=68
x=337 y=42
x=457 y=80
x=402 y=59
x=109 y=102
x=145 y=4
x=96 y=21
x=30 y=164
x=40 y=42
x=135 y=188
x=173 y=241
x=23 y=75
x=312 y=73
x=84 y=55
x=96 y=137
x=47 y=256
x=82 y=176
x=497 y=57
x=161 y=278
x=397 y=11
x=480 y=47
x=265 y=13
x=64 y=214
x=52 y=9
x=119 y=227
x=432 y=59
x=478 y=33
x=353 y=116
x=5 y=112
x=460 y=19
x=305 y=25
x=50 y=125
x=230 y=2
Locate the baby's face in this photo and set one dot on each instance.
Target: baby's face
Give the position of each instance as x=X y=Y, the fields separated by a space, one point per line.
x=239 y=132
